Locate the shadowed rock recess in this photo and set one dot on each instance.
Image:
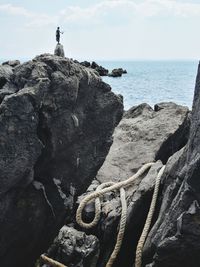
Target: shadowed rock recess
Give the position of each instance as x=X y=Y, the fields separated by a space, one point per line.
x=56 y=124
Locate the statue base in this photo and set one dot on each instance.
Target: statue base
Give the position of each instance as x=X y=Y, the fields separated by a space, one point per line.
x=59 y=51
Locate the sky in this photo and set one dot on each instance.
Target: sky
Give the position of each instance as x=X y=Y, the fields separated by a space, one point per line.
x=101 y=29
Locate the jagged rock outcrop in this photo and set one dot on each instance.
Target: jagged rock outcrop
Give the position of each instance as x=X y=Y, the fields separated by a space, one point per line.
x=174 y=240
x=56 y=130
x=101 y=70
x=6 y=86
x=74 y=248
x=11 y=63
x=86 y=64
x=59 y=50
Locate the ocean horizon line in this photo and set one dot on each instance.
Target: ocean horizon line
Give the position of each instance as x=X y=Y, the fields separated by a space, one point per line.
x=23 y=59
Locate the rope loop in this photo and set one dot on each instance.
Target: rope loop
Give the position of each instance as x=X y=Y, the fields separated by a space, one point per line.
x=95 y=196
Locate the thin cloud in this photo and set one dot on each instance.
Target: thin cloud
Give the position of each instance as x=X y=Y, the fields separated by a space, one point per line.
x=145 y=8
x=96 y=13
x=15 y=10
x=34 y=19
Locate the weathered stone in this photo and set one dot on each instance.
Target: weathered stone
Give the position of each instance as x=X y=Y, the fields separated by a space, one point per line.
x=117 y=72
x=101 y=70
x=6 y=85
x=143 y=136
x=74 y=248
x=94 y=65
x=12 y=63
x=5 y=75
x=59 y=51
x=85 y=63
x=56 y=131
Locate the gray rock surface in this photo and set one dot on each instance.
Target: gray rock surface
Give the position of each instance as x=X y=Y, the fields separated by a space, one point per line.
x=140 y=137
x=145 y=135
x=74 y=248
x=117 y=72
x=59 y=50
x=11 y=63
x=101 y=70
x=7 y=87
x=56 y=131
x=5 y=75
x=174 y=240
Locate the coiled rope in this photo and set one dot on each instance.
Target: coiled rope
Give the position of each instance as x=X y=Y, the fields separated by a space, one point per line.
x=108 y=187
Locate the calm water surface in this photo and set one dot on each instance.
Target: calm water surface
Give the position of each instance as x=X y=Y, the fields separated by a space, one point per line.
x=154 y=81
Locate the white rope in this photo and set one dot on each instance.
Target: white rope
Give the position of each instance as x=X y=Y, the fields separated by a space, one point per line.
x=101 y=190
x=98 y=193
x=51 y=261
x=138 y=258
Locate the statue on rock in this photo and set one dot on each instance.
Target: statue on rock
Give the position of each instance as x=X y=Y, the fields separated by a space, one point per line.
x=59 y=50
x=58 y=32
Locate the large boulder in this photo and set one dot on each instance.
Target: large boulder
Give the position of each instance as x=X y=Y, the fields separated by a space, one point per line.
x=56 y=131
x=145 y=135
x=175 y=237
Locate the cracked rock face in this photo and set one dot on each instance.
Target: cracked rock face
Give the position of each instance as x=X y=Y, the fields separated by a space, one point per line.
x=56 y=129
x=174 y=240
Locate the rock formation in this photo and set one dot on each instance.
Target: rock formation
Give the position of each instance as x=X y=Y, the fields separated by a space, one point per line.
x=56 y=120
x=117 y=72
x=11 y=63
x=145 y=135
x=86 y=64
x=6 y=86
x=56 y=124
x=75 y=248
x=59 y=51
x=103 y=71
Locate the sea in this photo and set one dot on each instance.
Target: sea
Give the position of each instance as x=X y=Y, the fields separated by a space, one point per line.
x=153 y=82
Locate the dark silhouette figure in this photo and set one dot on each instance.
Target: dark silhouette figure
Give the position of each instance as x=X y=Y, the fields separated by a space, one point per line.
x=58 y=32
